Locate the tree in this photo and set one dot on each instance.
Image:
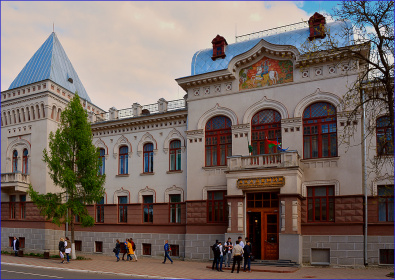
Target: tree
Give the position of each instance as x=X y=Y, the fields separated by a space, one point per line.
x=73 y=163
x=369 y=27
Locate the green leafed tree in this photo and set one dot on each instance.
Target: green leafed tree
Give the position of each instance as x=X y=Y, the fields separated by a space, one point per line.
x=73 y=163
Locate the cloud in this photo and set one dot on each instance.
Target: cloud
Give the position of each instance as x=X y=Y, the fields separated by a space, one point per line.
x=126 y=52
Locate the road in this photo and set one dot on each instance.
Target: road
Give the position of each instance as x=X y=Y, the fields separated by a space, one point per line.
x=23 y=272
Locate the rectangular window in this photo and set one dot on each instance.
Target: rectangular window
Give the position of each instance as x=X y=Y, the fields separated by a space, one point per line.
x=148 y=208
x=320 y=204
x=216 y=206
x=12 y=207
x=22 y=206
x=175 y=208
x=21 y=242
x=387 y=256
x=100 y=211
x=98 y=246
x=123 y=209
x=78 y=245
x=386 y=203
x=146 y=249
x=175 y=250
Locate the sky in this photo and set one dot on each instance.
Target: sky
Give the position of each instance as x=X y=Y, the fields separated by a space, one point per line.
x=127 y=52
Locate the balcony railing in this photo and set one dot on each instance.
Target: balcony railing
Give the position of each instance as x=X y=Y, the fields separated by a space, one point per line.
x=278 y=160
x=15 y=181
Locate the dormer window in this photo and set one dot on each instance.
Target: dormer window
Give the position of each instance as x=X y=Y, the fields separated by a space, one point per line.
x=219 y=44
x=317 y=27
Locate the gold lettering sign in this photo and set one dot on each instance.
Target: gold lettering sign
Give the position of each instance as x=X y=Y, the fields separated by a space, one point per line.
x=251 y=183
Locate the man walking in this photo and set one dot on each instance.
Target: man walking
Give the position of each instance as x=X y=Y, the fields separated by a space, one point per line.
x=228 y=251
x=167 y=250
x=15 y=246
x=221 y=256
x=247 y=256
x=237 y=253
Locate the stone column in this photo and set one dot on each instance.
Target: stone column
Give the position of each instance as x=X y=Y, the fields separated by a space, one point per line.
x=113 y=113
x=137 y=109
x=162 y=105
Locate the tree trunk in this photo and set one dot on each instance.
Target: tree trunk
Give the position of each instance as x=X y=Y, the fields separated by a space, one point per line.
x=73 y=255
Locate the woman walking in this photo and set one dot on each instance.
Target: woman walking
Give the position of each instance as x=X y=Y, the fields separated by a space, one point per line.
x=67 y=245
x=130 y=251
x=62 y=249
x=117 y=249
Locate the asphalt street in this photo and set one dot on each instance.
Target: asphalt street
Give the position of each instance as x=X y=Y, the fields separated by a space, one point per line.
x=23 y=272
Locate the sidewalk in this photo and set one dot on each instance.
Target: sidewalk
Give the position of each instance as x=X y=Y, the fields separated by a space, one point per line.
x=151 y=267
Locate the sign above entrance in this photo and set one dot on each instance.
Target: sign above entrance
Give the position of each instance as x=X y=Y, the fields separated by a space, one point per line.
x=252 y=183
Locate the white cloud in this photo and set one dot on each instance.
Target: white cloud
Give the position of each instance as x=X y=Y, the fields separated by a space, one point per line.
x=126 y=52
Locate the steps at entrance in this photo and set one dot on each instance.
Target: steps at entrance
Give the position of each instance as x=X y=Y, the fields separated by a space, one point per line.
x=278 y=263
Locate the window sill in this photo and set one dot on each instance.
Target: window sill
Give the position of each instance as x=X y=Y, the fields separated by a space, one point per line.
x=122 y=175
x=147 y=174
x=222 y=167
x=174 y=172
x=319 y=159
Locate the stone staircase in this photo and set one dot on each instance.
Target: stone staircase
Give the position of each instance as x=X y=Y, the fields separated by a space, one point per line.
x=278 y=263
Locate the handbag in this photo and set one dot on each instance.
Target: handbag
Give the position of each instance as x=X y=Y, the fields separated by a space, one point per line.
x=114 y=250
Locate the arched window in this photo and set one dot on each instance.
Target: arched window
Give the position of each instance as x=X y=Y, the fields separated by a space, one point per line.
x=9 y=117
x=33 y=115
x=148 y=158
x=38 y=111
x=266 y=124
x=18 y=115
x=14 y=161
x=384 y=137
x=102 y=158
x=23 y=114
x=53 y=112
x=25 y=166
x=319 y=131
x=5 y=118
x=28 y=113
x=58 y=115
x=14 y=114
x=218 y=140
x=123 y=160
x=175 y=155
x=42 y=109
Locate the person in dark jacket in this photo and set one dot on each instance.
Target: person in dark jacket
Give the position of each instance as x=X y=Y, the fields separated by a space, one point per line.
x=117 y=249
x=125 y=249
x=247 y=256
x=216 y=255
x=167 y=250
x=15 y=246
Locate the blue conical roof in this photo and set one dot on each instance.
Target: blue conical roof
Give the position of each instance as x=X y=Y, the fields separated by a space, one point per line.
x=51 y=62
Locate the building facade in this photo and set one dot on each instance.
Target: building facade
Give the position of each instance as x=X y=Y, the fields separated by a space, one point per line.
x=211 y=166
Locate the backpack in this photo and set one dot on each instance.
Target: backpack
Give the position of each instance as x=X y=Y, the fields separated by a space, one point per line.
x=216 y=249
x=133 y=246
x=61 y=246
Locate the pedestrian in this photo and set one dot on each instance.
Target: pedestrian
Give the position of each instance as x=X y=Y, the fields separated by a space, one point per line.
x=117 y=249
x=167 y=250
x=221 y=256
x=134 y=249
x=67 y=245
x=237 y=256
x=241 y=243
x=15 y=245
x=130 y=251
x=62 y=249
x=228 y=251
x=216 y=253
x=247 y=256
x=125 y=249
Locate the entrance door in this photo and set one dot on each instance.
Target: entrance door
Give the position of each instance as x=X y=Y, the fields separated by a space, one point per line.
x=254 y=232
x=271 y=236
x=262 y=224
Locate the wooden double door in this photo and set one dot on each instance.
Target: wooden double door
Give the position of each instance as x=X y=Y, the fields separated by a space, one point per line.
x=262 y=225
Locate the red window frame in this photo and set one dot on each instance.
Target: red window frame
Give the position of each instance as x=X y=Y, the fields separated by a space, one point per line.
x=385 y=205
x=324 y=204
x=123 y=160
x=25 y=167
x=100 y=211
x=319 y=131
x=175 y=152
x=78 y=245
x=217 y=209
x=12 y=207
x=266 y=124
x=22 y=206
x=148 y=158
x=14 y=161
x=218 y=141
x=148 y=208
x=175 y=208
x=122 y=209
x=384 y=137
x=99 y=246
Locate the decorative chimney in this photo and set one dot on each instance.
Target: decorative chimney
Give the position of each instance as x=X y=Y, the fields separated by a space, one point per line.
x=219 y=44
x=137 y=109
x=317 y=27
x=113 y=113
x=162 y=105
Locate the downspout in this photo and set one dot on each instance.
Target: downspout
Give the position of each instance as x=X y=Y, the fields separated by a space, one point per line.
x=364 y=183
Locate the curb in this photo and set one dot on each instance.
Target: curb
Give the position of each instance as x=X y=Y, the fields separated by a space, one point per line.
x=90 y=271
x=262 y=270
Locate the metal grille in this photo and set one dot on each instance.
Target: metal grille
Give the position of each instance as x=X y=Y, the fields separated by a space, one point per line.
x=220 y=122
x=320 y=109
x=266 y=116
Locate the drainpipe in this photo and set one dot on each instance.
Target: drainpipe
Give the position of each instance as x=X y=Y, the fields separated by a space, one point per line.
x=364 y=183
